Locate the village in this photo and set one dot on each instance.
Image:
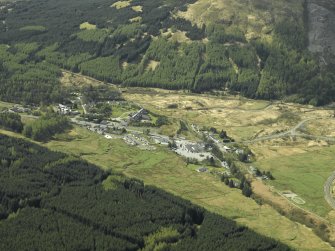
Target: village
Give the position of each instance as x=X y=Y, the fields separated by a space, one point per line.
x=136 y=126
x=199 y=152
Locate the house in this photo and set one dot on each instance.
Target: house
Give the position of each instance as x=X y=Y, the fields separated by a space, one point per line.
x=195 y=148
x=19 y=109
x=225 y=164
x=239 y=151
x=226 y=149
x=160 y=139
x=63 y=109
x=138 y=115
x=252 y=170
x=202 y=170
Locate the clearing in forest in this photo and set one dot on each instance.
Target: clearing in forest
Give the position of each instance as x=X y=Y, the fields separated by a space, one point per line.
x=121 y=4
x=87 y=26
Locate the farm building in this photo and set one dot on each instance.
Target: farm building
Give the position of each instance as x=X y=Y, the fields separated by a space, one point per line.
x=202 y=170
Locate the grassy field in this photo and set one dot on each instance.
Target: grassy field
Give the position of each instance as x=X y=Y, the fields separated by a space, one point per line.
x=325 y=127
x=243 y=119
x=169 y=172
x=4 y=105
x=166 y=170
x=303 y=174
x=123 y=110
x=299 y=165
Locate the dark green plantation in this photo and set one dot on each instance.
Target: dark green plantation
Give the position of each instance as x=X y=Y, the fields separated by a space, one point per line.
x=11 y=121
x=50 y=201
x=39 y=37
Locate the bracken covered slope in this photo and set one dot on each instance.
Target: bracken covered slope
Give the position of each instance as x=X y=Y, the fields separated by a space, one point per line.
x=258 y=48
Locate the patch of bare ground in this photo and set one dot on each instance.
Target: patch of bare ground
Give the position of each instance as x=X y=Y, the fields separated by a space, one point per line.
x=70 y=79
x=152 y=65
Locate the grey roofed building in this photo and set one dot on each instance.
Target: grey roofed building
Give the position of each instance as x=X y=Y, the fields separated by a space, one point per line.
x=146 y=117
x=138 y=115
x=202 y=170
x=195 y=148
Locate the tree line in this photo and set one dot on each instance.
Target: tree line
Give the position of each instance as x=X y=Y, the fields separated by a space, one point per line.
x=52 y=201
x=46 y=126
x=11 y=121
x=137 y=54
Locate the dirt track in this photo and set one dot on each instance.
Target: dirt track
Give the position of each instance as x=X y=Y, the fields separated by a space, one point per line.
x=291 y=133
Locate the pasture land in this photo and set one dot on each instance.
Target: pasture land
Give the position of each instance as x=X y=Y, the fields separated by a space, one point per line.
x=4 y=105
x=298 y=164
x=242 y=118
x=304 y=174
x=166 y=170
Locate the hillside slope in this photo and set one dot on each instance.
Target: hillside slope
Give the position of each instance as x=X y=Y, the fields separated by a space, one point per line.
x=321 y=23
x=51 y=201
x=258 y=48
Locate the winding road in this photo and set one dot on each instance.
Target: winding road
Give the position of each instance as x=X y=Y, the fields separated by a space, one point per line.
x=327 y=189
x=291 y=133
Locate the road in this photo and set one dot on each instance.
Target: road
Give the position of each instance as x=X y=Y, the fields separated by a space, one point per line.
x=291 y=133
x=83 y=105
x=327 y=189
